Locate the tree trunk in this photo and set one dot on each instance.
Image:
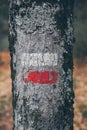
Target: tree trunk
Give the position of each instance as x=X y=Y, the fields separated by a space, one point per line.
x=41 y=44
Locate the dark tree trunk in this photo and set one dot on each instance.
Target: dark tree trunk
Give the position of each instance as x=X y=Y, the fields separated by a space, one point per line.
x=41 y=44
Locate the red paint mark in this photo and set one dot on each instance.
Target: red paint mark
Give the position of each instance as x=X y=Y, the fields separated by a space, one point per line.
x=45 y=77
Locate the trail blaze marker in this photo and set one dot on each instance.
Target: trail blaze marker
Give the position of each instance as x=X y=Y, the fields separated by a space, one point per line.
x=41 y=46
x=39 y=59
x=45 y=77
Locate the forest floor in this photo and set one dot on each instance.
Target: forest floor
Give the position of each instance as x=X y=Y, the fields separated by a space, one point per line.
x=80 y=88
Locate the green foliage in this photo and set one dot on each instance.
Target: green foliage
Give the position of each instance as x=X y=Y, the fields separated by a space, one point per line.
x=80 y=47
x=4 y=43
x=2 y=107
x=83 y=109
x=3 y=17
x=3 y=24
x=85 y=114
x=4 y=102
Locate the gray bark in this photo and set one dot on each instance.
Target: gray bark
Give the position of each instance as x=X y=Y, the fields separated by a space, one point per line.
x=39 y=27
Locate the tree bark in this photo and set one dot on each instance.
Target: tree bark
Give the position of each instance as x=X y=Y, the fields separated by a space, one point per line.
x=41 y=46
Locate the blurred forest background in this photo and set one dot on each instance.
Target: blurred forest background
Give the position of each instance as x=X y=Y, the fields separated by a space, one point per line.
x=80 y=67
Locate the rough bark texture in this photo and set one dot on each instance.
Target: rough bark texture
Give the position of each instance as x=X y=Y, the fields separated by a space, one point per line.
x=41 y=27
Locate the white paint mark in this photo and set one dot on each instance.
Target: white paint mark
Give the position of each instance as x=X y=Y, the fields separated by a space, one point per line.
x=39 y=59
